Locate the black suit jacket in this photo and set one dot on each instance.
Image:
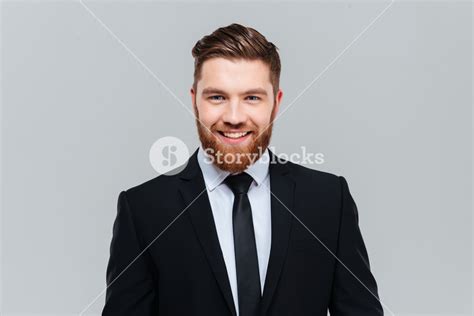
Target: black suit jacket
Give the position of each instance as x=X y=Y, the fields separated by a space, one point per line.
x=165 y=257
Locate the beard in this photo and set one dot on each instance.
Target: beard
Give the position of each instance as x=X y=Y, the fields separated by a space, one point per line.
x=234 y=158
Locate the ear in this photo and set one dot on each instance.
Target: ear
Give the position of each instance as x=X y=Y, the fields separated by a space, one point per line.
x=193 y=100
x=278 y=98
x=193 y=94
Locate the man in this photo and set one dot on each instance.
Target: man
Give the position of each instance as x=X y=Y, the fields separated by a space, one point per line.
x=238 y=232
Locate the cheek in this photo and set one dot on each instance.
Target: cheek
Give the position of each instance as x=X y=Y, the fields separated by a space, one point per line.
x=261 y=118
x=208 y=115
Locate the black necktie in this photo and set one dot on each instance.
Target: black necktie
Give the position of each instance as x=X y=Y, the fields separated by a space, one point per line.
x=248 y=279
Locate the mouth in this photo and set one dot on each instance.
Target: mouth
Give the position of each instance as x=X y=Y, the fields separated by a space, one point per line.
x=234 y=137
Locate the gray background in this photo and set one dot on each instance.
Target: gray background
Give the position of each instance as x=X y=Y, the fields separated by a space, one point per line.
x=393 y=115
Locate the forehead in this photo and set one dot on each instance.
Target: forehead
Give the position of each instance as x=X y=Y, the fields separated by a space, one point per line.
x=234 y=75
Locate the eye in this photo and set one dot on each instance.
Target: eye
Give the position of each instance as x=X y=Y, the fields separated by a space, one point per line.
x=215 y=97
x=255 y=98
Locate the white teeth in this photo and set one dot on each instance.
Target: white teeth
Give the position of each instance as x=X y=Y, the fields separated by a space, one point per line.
x=235 y=135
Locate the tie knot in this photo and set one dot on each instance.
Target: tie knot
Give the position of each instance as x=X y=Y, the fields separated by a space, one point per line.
x=239 y=183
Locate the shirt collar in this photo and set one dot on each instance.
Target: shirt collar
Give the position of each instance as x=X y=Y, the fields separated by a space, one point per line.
x=214 y=176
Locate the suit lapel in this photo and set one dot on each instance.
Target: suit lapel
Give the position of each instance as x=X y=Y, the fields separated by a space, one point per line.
x=195 y=198
x=282 y=188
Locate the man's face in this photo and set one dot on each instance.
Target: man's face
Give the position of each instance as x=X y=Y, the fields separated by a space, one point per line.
x=234 y=100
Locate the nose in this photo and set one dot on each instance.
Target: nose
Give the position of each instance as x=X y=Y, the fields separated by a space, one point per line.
x=234 y=114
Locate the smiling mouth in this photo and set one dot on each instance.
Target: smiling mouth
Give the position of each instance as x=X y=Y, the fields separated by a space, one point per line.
x=234 y=135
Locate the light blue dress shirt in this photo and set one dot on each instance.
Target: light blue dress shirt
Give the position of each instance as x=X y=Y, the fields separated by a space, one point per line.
x=221 y=199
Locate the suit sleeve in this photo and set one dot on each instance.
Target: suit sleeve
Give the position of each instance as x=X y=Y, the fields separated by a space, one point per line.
x=130 y=286
x=354 y=292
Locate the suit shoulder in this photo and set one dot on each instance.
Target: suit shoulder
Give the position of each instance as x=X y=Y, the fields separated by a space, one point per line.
x=158 y=185
x=154 y=191
x=317 y=181
x=153 y=199
x=305 y=172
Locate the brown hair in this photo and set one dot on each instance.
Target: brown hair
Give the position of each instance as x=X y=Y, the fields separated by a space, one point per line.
x=236 y=41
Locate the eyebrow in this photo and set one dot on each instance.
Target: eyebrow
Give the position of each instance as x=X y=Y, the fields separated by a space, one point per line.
x=211 y=90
